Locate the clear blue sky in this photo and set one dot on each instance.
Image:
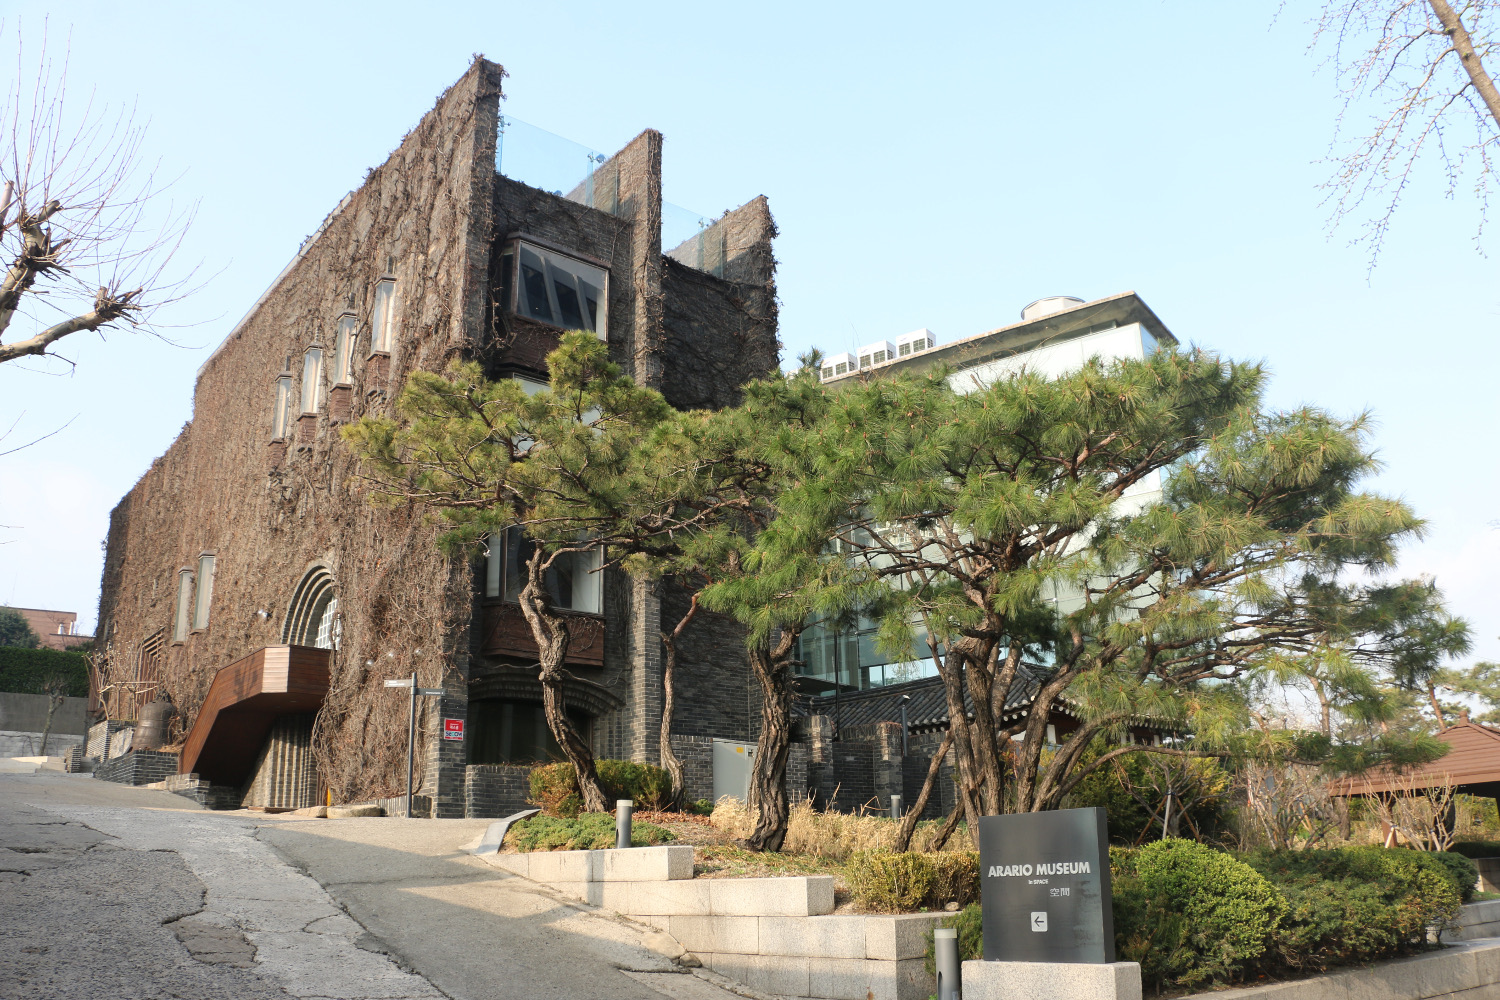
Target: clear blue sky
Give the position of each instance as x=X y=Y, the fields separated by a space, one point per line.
x=936 y=169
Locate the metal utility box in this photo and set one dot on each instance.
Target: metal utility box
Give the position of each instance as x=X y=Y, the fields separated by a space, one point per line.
x=732 y=769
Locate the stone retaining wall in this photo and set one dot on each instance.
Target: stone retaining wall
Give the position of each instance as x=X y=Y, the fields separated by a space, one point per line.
x=138 y=767
x=775 y=935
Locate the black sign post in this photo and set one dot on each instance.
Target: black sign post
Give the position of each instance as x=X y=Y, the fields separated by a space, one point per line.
x=1044 y=887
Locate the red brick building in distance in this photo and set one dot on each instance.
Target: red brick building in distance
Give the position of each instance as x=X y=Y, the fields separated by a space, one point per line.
x=56 y=629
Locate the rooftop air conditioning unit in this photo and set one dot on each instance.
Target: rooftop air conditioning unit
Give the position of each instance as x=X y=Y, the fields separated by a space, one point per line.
x=839 y=364
x=915 y=342
x=877 y=353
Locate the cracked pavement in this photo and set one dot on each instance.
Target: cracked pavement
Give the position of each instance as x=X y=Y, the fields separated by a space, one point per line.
x=115 y=892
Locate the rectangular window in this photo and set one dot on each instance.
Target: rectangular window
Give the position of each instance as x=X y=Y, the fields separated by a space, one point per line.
x=879 y=357
x=343 y=350
x=184 y=605
x=383 y=322
x=575 y=581
x=281 y=415
x=864 y=361
x=312 y=380
x=554 y=288
x=904 y=350
x=205 y=594
x=842 y=368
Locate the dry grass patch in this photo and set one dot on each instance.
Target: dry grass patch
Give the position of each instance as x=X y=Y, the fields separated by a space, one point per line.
x=832 y=835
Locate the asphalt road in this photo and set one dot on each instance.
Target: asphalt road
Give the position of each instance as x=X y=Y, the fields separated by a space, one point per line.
x=112 y=892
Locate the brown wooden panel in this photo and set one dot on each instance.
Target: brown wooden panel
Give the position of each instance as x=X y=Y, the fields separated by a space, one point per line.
x=507 y=634
x=243 y=701
x=1472 y=765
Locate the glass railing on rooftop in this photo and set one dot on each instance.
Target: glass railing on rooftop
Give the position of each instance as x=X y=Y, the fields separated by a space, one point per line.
x=572 y=170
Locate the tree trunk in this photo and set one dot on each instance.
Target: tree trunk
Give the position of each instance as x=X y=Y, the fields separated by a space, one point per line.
x=550 y=631
x=1464 y=46
x=669 y=760
x=54 y=702
x=768 y=775
x=1437 y=709
x=950 y=668
x=909 y=821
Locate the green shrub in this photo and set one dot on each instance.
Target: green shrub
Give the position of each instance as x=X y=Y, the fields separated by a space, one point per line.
x=889 y=881
x=1465 y=873
x=1189 y=914
x=955 y=878
x=1354 y=904
x=970 y=937
x=554 y=787
x=28 y=671
x=703 y=807
x=587 y=832
x=1477 y=848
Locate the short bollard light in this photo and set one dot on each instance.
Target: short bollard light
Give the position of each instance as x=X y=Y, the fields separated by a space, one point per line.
x=623 y=810
x=895 y=807
x=949 y=975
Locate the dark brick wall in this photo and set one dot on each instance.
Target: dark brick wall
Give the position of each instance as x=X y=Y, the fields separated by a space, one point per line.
x=138 y=767
x=712 y=677
x=496 y=790
x=697 y=756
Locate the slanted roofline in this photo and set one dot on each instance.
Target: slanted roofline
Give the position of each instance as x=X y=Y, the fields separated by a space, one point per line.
x=1027 y=335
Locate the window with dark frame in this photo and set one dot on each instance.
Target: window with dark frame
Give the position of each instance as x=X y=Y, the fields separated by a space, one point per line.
x=575 y=582
x=554 y=288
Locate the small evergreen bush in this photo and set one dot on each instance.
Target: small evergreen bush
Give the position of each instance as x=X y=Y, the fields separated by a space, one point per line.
x=554 y=787
x=955 y=878
x=587 y=832
x=970 y=929
x=889 y=881
x=1476 y=848
x=1465 y=873
x=1350 y=904
x=1191 y=915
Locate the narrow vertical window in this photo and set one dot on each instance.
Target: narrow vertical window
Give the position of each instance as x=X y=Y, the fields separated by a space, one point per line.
x=343 y=351
x=312 y=380
x=184 y=604
x=383 y=322
x=494 y=563
x=205 y=594
x=280 y=415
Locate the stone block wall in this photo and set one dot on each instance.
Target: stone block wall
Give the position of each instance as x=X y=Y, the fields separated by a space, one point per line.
x=492 y=791
x=138 y=767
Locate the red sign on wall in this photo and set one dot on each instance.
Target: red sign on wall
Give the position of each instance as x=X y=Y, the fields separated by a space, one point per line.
x=453 y=729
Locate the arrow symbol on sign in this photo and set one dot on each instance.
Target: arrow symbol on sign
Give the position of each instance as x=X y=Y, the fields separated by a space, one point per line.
x=1039 y=920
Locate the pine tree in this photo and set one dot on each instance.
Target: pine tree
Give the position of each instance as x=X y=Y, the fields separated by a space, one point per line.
x=1018 y=533
x=15 y=630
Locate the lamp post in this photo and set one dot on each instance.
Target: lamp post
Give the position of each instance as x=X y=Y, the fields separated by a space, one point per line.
x=905 y=742
x=411 y=727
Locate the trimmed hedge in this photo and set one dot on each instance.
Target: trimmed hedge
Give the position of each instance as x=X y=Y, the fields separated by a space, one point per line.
x=554 y=787
x=587 y=832
x=27 y=671
x=1195 y=917
x=899 y=882
x=1476 y=848
x=1189 y=914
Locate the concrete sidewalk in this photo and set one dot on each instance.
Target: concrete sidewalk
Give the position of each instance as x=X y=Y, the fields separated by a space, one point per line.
x=127 y=892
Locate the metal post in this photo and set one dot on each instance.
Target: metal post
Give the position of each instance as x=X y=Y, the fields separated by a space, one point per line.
x=411 y=743
x=895 y=807
x=949 y=969
x=623 y=809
